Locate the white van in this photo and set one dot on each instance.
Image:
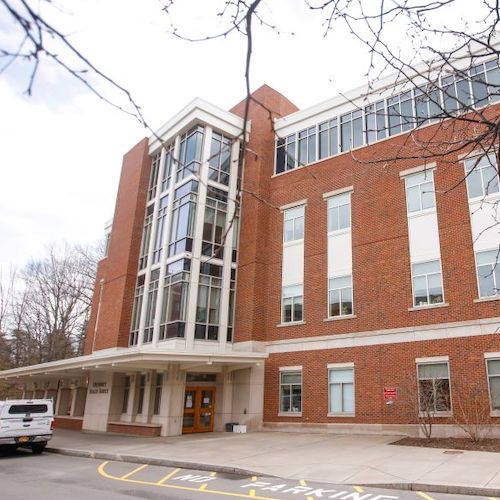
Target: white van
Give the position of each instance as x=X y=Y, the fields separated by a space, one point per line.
x=26 y=423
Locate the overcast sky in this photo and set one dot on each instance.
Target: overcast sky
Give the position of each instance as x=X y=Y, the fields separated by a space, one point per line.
x=62 y=147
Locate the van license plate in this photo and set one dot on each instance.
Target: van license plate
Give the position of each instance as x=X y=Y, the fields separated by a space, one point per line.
x=23 y=439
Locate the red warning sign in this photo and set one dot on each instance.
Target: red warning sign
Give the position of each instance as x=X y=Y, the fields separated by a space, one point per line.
x=390 y=393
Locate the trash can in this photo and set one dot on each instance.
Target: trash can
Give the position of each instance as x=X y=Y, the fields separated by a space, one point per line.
x=230 y=425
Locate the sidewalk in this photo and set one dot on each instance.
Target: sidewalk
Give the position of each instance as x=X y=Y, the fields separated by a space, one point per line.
x=332 y=458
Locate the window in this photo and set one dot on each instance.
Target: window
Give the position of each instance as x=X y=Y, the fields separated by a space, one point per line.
x=208 y=305
x=292 y=304
x=400 y=113
x=427 y=283
x=375 y=127
x=230 y=317
x=341 y=390
x=136 y=312
x=294 y=224
x=168 y=167
x=175 y=298
x=214 y=223
x=493 y=367
x=151 y=307
x=427 y=104
x=190 y=152
x=434 y=388
x=482 y=176
x=183 y=214
x=351 y=130
x=220 y=159
x=488 y=273
x=161 y=222
x=420 y=191
x=157 y=393
x=285 y=154
x=328 y=139
x=153 y=179
x=141 y=389
x=307 y=146
x=126 y=392
x=146 y=237
x=339 y=212
x=291 y=391
x=340 y=296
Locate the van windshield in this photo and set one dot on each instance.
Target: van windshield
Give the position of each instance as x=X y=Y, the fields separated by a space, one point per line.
x=21 y=409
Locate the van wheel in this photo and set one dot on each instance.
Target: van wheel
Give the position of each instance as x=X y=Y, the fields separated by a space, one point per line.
x=37 y=448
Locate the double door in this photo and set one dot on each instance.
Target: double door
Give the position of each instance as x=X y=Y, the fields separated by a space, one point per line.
x=199 y=410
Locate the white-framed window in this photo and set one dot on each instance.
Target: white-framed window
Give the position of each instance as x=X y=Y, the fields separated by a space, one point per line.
x=493 y=369
x=434 y=394
x=126 y=392
x=482 y=176
x=158 y=385
x=420 y=191
x=427 y=283
x=340 y=296
x=307 y=145
x=293 y=224
x=339 y=212
x=291 y=391
x=292 y=304
x=488 y=273
x=141 y=390
x=341 y=390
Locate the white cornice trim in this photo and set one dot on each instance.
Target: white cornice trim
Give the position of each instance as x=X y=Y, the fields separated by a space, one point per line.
x=490 y=326
x=202 y=111
x=335 y=192
x=415 y=170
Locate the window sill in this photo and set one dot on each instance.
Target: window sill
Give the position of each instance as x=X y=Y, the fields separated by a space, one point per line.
x=291 y=323
x=338 y=318
x=290 y=414
x=440 y=414
x=429 y=306
x=495 y=413
x=337 y=415
x=486 y=299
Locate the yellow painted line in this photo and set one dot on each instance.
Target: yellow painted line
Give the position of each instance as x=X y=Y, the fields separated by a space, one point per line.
x=359 y=489
x=254 y=478
x=309 y=498
x=213 y=474
x=251 y=494
x=167 y=477
x=302 y=483
x=203 y=487
x=131 y=473
x=424 y=495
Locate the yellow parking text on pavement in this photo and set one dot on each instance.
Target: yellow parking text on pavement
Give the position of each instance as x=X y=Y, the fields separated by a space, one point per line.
x=424 y=495
x=359 y=489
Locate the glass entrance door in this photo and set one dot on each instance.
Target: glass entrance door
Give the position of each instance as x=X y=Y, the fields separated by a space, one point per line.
x=199 y=409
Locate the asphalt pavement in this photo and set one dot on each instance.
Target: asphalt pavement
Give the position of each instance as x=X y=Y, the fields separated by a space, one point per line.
x=56 y=477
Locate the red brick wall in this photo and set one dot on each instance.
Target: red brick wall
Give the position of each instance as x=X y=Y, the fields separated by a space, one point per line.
x=253 y=261
x=376 y=367
x=120 y=269
x=73 y=424
x=138 y=430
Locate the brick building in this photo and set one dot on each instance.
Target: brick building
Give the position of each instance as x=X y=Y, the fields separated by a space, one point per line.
x=342 y=293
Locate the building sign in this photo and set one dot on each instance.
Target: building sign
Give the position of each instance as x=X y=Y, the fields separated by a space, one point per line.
x=390 y=393
x=99 y=388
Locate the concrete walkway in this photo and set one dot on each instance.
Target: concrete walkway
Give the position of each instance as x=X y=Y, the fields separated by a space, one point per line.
x=333 y=458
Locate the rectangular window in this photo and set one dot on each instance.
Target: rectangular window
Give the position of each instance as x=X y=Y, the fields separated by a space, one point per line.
x=339 y=212
x=136 y=312
x=291 y=391
x=328 y=142
x=141 y=389
x=482 y=176
x=493 y=366
x=427 y=283
x=434 y=388
x=209 y=300
x=220 y=159
x=292 y=304
x=307 y=146
x=351 y=130
x=126 y=392
x=420 y=191
x=151 y=307
x=294 y=224
x=214 y=223
x=340 y=296
x=153 y=179
x=190 y=152
x=161 y=222
x=341 y=390
x=146 y=237
x=157 y=393
x=488 y=273
x=183 y=214
x=168 y=168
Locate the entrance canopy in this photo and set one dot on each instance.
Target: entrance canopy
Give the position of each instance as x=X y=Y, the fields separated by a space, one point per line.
x=129 y=360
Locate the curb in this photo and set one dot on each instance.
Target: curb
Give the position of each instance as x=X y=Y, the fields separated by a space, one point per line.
x=439 y=488
x=139 y=459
